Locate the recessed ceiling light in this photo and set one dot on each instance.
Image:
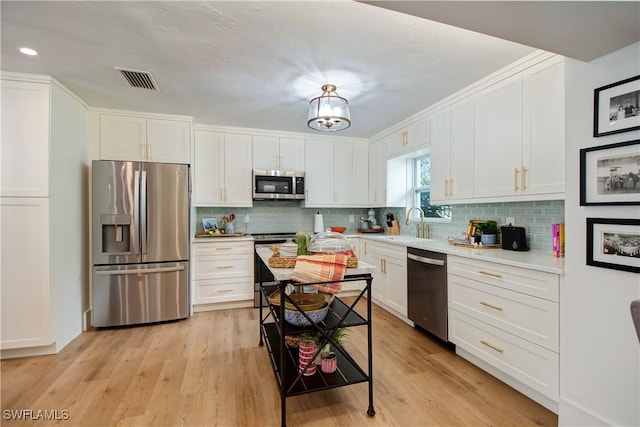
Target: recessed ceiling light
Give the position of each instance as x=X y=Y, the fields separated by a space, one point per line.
x=28 y=51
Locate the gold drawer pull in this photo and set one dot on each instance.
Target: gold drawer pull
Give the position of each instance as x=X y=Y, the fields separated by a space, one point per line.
x=495 y=307
x=515 y=179
x=490 y=273
x=488 y=344
x=225 y=266
x=223 y=249
x=224 y=290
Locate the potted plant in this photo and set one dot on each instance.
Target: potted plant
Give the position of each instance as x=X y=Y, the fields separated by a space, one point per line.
x=488 y=232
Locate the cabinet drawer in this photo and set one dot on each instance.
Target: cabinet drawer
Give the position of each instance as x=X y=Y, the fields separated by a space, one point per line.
x=223 y=290
x=530 y=282
x=528 y=363
x=222 y=248
x=381 y=250
x=222 y=266
x=534 y=319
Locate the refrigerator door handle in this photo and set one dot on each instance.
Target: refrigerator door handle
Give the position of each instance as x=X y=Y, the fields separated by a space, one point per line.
x=143 y=211
x=136 y=204
x=139 y=271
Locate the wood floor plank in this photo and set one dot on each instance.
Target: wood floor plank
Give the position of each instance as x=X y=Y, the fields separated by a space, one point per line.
x=209 y=371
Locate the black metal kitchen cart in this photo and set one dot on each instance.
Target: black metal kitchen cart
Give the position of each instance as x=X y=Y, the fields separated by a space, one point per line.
x=273 y=329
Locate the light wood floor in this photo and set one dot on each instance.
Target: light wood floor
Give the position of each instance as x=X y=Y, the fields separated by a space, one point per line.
x=208 y=370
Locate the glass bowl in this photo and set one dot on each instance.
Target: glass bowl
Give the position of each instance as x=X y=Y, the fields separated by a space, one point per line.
x=329 y=243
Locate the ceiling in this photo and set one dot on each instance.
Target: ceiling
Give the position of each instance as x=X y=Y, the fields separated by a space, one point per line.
x=257 y=63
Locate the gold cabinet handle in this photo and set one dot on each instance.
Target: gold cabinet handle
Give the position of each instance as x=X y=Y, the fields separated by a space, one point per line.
x=451 y=187
x=224 y=290
x=223 y=249
x=524 y=178
x=488 y=344
x=225 y=266
x=446 y=187
x=365 y=248
x=490 y=273
x=515 y=179
x=495 y=307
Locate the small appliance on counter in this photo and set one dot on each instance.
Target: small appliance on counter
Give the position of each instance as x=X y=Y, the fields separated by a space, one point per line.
x=514 y=238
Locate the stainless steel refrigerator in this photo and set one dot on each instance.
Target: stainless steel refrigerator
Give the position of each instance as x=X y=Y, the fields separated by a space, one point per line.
x=140 y=242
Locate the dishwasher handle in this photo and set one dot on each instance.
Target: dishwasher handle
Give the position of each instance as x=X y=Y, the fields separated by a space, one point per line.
x=424 y=260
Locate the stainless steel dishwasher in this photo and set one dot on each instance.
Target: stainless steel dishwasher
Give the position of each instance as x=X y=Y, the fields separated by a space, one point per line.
x=427 y=290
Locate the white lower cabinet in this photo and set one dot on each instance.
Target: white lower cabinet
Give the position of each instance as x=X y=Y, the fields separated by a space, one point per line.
x=508 y=318
x=389 y=288
x=222 y=271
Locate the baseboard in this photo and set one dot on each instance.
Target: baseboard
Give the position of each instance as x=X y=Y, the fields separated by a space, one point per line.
x=28 y=351
x=572 y=414
x=221 y=306
x=86 y=320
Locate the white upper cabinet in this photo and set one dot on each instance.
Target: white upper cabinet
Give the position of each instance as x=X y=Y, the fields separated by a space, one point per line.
x=222 y=169
x=452 y=148
x=272 y=152
x=543 y=129
x=498 y=138
x=378 y=173
x=336 y=173
x=135 y=138
x=25 y=139
x=411 y=138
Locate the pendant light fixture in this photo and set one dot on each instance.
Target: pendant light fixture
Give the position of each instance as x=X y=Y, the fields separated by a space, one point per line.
x=329 y=112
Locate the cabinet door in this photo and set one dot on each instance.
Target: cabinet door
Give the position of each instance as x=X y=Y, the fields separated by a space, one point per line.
x=396 y=142
x=237 y=170
x=292 y=154
x=440 y=148
x=208 y=168
x=25 y=273
x=343 y=174
x=168 y=141
x=378 y=173
x=266 y=154
x=360 y=175
x=319 y=173
x=418 y=134
x=396 y=272
x=25 y=139
x=543 y=128
x=498 y=147
x=462 y=150
x=123 y=138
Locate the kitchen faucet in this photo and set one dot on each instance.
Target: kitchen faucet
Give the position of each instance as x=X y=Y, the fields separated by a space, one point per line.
x=422 y=229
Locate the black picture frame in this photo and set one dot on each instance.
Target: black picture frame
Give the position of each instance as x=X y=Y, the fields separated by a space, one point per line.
x=608 y=118
x=610 y=175
x=614 y=243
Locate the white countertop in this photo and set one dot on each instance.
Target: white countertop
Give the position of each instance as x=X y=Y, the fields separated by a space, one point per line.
x=245 y=238
x=281 y=274
x=529 y=259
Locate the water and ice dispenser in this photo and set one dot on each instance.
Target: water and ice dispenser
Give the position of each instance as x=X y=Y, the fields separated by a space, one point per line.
x=116 y=233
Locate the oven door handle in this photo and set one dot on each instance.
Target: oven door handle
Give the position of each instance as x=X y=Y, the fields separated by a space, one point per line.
x=424 y=260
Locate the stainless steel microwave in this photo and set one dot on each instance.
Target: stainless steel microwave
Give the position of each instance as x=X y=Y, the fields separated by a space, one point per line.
x=278 y=184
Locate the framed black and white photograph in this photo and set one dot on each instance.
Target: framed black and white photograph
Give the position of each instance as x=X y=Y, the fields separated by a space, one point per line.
x=614 y=243
x=610 y=174
x=617 y=107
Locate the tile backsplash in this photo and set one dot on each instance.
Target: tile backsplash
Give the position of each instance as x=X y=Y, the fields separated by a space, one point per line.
x=280 y=216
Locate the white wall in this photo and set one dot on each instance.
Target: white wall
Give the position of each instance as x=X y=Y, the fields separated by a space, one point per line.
x=600 y=353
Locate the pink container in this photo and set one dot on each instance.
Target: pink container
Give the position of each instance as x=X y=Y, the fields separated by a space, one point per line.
x=306 y=353
x=329 y=362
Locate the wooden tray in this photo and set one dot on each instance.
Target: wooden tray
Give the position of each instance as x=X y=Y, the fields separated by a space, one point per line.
x=221 y=235
x=453 y=242
x=290 y=262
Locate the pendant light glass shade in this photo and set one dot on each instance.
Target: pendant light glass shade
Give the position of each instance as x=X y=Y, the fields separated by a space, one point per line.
x=329 y=112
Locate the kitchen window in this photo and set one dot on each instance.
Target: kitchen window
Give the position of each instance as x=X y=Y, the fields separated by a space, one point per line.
x=422 y=191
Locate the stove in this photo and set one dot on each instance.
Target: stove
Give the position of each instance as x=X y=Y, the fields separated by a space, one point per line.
x=260 y=271
x=271 y=238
